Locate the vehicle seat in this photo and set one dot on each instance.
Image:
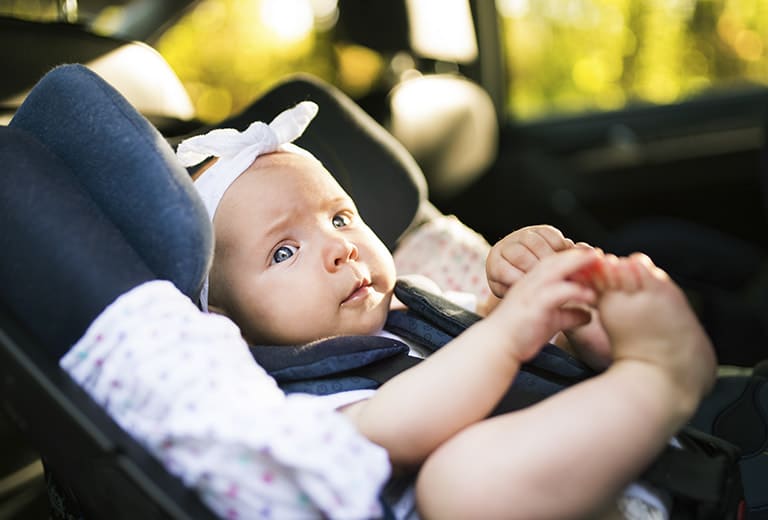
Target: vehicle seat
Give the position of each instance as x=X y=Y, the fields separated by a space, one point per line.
x=449 y=124
x=73 y=120
x=130 y=171
x=135 y=69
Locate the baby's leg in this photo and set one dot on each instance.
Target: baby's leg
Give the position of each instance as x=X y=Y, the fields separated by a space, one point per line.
x=586 y=443
x=516 y=466
x=62 y=260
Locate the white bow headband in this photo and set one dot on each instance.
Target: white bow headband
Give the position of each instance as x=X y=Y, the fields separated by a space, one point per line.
x=236 y=151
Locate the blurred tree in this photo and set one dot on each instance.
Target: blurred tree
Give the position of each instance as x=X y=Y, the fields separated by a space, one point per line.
x=563 y=56
x=571 y=56
x=227 y=52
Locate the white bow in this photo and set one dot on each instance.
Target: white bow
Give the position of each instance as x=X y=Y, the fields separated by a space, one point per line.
x=237 y=150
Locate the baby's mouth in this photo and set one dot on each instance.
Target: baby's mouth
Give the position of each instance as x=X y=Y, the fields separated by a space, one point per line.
x=360 y=292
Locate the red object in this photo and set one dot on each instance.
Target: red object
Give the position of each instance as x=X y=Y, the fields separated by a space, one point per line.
x=589 y=274
x=741 y=510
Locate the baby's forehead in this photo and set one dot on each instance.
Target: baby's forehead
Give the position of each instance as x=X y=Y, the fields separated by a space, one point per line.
x=288 y=167
x=285 y=159
x=278 y=190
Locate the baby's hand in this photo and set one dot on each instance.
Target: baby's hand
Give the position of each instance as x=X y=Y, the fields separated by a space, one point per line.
x=545 y=301
x=519 y=252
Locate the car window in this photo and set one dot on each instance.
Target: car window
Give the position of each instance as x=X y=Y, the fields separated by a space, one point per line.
x=227 y=52
x=577 y=56
x=560 y=57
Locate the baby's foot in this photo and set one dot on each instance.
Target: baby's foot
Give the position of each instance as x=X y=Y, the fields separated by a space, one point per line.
x=648 y=318
x=590 y=343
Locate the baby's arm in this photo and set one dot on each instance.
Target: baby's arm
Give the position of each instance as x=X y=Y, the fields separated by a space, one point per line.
x=584 y=444
x=461 y=383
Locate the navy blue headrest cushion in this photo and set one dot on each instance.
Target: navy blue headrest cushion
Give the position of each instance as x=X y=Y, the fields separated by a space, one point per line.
x=127 y=167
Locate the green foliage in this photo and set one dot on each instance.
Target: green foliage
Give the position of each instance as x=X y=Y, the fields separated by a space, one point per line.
x=563 y=56
x=227 y=52
x=571 y=56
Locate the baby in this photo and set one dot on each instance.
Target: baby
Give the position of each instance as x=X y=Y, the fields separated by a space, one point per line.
x=294 y=263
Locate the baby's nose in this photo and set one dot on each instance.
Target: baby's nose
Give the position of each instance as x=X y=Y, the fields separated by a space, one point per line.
x=338 y=252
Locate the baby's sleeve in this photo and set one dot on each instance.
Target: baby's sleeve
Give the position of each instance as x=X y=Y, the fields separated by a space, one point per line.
x=184 y=385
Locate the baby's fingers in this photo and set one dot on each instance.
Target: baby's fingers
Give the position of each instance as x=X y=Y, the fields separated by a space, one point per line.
x=552 y=279
x=501 y=273
x=525 y=247
x=539 y=241
x=519 y=252
x=572 y=317
x=543 y=240
x=569 y=265
x=508 y=261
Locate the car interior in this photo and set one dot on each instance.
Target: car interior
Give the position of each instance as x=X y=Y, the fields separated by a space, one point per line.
x=680 y=176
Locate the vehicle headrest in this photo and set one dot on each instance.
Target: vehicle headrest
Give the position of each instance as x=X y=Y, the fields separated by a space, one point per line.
x=127 y=167
x=381 y=176
x=449 y=124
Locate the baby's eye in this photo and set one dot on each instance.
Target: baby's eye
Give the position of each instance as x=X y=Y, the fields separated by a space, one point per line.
x=283 y=253
x=340 y=220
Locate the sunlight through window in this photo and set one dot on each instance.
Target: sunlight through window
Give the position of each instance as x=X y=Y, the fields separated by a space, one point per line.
x=289 y=20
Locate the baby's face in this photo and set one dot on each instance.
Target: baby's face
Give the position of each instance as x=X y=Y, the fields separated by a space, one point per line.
x=294 y=261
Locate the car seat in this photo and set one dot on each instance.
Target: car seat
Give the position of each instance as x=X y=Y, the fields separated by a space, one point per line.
x=75 y=115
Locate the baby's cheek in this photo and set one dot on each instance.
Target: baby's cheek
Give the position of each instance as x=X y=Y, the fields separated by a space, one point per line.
x=289 y=321
x=373 y=320
x=383 y=310
x=389 y=273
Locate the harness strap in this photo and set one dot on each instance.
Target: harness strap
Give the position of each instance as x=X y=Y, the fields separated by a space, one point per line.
x=703 y=478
